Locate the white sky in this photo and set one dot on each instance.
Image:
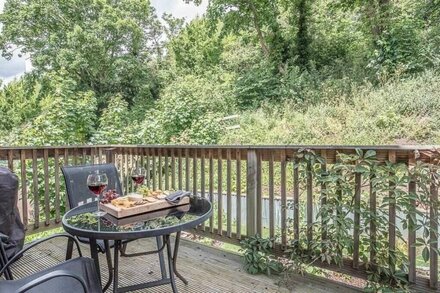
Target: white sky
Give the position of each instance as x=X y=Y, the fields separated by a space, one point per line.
x=178 y=8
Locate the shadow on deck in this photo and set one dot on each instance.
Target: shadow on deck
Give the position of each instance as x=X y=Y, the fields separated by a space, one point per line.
x=207 y=269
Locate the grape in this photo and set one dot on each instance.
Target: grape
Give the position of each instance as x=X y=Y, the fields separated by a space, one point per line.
x=109 y=195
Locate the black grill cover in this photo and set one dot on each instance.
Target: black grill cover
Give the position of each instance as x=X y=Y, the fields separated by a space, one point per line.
x=10 y=223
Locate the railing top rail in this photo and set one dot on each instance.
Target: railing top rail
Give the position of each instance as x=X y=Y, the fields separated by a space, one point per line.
x=247 y=147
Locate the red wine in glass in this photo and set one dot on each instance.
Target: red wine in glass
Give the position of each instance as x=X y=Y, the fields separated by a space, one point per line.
x=97 y=189
x=138 y=176
x=138 y=179
x=96 y=183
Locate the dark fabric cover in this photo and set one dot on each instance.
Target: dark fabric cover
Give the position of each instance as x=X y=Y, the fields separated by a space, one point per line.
x=10 y=222
x=76 y=182
x=81 y=266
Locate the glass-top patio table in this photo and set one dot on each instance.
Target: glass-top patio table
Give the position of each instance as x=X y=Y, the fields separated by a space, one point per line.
x=81 y=222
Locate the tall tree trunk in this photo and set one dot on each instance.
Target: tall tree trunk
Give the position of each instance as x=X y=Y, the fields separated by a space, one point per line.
x=379 y=14
x=302 y=36
x=256 y=22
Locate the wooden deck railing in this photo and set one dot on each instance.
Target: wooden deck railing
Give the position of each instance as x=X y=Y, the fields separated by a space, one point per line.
x=250 y=186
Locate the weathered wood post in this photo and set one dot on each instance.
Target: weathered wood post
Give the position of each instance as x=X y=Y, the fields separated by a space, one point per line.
x=251 y=192
x=109 y=157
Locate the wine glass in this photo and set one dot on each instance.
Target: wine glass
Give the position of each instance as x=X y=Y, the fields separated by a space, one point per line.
x=138 y=176
x=97 y=182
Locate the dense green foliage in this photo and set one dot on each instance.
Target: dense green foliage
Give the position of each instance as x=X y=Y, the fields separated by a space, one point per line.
x=303 y=72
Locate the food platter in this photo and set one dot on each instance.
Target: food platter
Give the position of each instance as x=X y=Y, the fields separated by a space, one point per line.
x=135 y=204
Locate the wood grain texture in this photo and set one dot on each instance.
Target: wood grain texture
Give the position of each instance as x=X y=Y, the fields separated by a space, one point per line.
x=161 y=204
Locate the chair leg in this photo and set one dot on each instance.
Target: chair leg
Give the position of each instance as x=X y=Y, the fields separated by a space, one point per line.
x=163 y=270
x=123 y=249
x=3 y=261
x=69 y=250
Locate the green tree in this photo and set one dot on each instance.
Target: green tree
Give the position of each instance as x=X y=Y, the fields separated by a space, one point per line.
x=66 y=117
x=105 y=46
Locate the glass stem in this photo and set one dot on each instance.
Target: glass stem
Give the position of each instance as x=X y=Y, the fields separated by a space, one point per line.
x=99 y=197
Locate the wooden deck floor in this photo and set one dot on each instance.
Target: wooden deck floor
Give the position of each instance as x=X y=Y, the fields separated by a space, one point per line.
x=207 y=269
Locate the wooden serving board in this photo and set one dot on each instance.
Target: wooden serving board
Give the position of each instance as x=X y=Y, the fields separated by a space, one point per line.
x=147 y=216
x=120 y=212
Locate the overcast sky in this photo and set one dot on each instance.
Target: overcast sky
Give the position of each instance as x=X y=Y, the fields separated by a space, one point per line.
x=178 y=8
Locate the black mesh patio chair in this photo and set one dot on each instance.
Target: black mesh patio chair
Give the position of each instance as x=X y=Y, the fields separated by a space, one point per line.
x=78 y=193
x=71 y=276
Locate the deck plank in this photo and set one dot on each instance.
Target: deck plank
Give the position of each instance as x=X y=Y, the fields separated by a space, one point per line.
x=207 y=269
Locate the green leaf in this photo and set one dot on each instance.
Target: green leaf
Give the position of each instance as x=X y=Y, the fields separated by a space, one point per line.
x=425 y=254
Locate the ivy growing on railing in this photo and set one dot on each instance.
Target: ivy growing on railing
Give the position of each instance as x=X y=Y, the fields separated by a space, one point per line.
x=333 y=225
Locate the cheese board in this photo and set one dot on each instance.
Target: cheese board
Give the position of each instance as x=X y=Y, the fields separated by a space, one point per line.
x=175 y=211
x=130 y=205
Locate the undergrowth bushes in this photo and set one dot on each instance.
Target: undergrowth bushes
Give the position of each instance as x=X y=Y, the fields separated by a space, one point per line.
x=398 y=112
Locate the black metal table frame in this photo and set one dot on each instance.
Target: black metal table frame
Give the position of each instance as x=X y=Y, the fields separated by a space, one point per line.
x=114 y=268
x=121 y=239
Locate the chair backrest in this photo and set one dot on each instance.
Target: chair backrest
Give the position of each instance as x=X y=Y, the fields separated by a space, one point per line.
x=76 y=182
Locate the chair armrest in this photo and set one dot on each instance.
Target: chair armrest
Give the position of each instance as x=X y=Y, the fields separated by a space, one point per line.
x=35 y=243
x=50 y=276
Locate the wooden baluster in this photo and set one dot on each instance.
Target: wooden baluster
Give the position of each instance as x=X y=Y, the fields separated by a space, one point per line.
x=211 y=188
x=75 y=156
x=92 y=155
x=202 y=172
x=66 y=157
x=66 y=163
x=46 y=187
x=187 y=169
x=167 y=173
x=271 y=198
x=180 y=170
x=11 y=160
x=153 y=158
x=219 y=193
x=295 y=201
x=357 y=218
x=122 y=172
x=412 y=222
x=309 y=185
x=202 y=178
x=148 y=167
x=24 y=192
x=324 y=199
x=84 y=156
x=228 y=194
x=433 y=235
x=129 y=180
x=283 y=163
x=373 y=205
x=392 y=216
x=159 y=167
x=173 y=169
x=36 y=194
x=238 y=195
x=126 y=172
x=141 y=152
x=194 y=179
x=99 y=155
x=57 y=186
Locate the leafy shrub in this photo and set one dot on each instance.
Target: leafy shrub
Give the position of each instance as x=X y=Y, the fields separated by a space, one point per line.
x=256 y=255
